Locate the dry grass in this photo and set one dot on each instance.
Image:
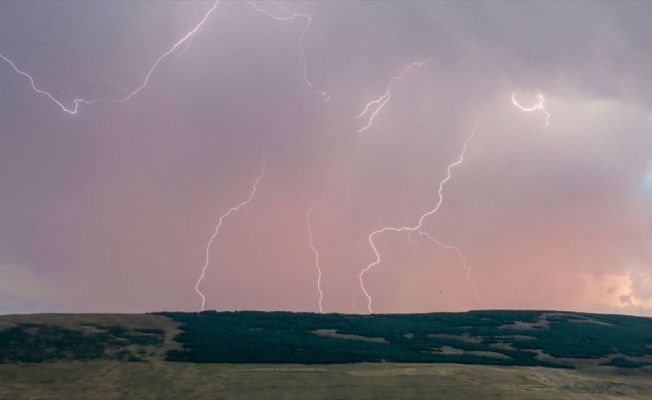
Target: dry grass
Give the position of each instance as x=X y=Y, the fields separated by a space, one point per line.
x=73 y=321
x=334 y=334
x=114 y=380
x=453 y=350
x=544 y=323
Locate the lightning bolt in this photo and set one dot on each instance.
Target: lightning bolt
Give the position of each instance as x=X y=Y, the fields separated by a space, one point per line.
x=314 y=250
x=417 y=228
x=380 y=102
x=52 y=98
x=184 y=41
x=538 y=106
x=461 y=257
x=129 y=95
x=217 y=231
x=292 y=15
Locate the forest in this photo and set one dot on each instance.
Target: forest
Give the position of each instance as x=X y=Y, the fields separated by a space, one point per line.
x=487 y=337
x=523 y=338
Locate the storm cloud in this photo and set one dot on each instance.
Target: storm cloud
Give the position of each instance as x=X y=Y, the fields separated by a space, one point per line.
x=111 y=209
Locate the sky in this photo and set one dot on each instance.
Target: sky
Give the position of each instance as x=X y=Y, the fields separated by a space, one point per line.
x=348 y=157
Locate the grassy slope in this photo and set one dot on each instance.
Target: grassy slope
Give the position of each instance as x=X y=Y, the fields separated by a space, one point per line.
x=76 y=320
x=94 y=324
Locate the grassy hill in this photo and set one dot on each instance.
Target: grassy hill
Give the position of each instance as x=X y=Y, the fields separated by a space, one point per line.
x=40 y=338
x=478 y=354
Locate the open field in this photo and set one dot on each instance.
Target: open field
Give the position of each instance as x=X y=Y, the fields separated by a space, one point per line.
x=167 y=380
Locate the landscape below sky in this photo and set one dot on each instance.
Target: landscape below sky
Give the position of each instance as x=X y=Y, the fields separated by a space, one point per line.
x=354 y=157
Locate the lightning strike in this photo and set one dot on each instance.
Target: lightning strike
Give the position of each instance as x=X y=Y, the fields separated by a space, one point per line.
x=77 y=102
x=380 y=102
x=460 y=256
x=292 y=15
x=417 y=228
x=535 y=107
x=217 y=231
x=315 y=252
x=184 y=41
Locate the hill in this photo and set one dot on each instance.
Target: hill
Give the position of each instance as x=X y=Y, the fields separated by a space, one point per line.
x=477 y=354
x=525 y=338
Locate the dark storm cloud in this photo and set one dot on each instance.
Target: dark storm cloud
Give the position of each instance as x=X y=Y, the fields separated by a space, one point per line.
x=111 y=209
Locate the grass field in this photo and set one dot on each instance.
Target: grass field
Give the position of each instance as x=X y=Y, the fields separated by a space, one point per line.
x=167 y=380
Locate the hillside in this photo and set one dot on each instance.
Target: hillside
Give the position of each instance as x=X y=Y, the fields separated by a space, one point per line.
x=479 y=354
x=523 y=338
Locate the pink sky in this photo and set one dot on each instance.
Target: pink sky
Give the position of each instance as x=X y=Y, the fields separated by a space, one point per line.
x=111 y=209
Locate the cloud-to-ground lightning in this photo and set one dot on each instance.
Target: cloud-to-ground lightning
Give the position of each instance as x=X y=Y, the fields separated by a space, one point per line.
x=535 y=107
x=314 y=250
x=217 y=231
x=292 y=15
x=77 y=102
x=380 y=102
x=460 y=256
x=417 y=227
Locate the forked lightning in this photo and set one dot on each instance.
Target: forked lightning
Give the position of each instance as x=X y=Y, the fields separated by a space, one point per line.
x=217 y=231
x=417 y=228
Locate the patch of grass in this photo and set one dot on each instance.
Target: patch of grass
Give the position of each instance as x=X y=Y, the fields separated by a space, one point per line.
x=75 y=321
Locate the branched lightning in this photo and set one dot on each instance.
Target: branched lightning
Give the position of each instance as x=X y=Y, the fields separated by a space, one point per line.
x=380 y=102
x=418 y=227
x=217 y=231
x=461 y=257
x=52 y=98
x=184 y=41
x=314 y=250
x=538 y=106
x=129 y=95
x=371 y=110
x=292 y=15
